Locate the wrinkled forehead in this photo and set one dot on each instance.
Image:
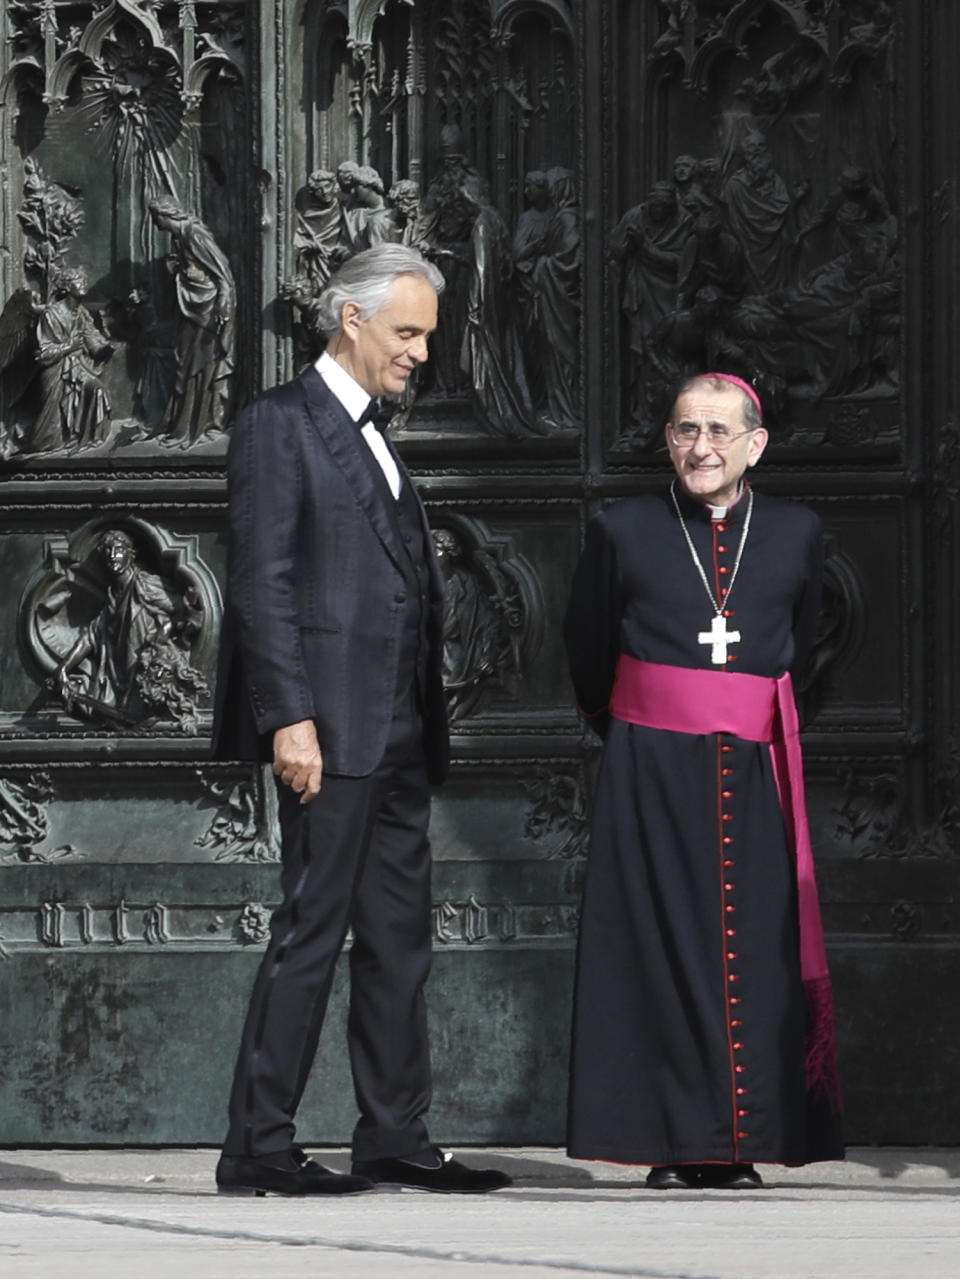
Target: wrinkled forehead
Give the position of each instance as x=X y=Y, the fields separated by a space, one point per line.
x=701 y=403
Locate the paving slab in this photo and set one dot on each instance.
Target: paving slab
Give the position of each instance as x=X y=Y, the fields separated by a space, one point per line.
x=883 y=1214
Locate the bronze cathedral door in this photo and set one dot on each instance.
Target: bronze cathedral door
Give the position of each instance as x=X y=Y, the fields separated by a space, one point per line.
x=616 y=191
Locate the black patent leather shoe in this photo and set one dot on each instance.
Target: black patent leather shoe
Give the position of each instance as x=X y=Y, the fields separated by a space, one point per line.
x=730 y=1177
x=672 y=1177
x=447 y=1177
x=290 y=1174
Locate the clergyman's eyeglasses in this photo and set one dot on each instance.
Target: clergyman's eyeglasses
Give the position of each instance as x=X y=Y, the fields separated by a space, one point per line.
x=718 y=436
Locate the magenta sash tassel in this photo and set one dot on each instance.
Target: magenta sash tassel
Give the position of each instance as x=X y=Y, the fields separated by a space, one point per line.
x=697 y=701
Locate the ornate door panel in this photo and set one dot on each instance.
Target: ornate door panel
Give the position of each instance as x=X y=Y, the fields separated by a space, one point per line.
x=615 y=192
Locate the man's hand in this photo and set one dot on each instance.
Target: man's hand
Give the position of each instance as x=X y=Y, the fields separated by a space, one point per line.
x=297 y=759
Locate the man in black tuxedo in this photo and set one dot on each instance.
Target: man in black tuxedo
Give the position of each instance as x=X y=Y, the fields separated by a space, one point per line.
x=330 y=665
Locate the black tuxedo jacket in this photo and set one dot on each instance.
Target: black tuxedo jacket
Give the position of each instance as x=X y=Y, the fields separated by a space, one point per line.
x=316 y=589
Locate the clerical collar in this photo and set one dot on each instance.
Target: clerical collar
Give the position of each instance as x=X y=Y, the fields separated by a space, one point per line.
x=346 y=388
x=714 y=513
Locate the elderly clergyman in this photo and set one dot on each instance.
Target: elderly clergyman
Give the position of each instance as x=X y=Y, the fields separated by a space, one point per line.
x=330 y=667
x=703 y=1028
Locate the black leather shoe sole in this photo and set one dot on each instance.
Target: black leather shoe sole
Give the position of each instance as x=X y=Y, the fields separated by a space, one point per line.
x=672 y=1177
x=246 y=1177
x=451 y=1178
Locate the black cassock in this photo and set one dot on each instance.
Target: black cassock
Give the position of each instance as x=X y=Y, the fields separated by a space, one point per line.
x=690 y=1017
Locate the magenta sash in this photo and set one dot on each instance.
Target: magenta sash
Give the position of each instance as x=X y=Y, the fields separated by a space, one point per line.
x=682 y=700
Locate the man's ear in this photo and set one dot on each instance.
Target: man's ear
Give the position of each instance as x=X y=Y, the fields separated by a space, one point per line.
x=758 y=442
x=351 y=317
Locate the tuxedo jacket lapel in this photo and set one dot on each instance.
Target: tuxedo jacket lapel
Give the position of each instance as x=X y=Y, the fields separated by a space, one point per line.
x=436 y=575
x=347 y=448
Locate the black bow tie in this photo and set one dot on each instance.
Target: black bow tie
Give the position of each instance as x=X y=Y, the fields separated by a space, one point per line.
x=379 y=412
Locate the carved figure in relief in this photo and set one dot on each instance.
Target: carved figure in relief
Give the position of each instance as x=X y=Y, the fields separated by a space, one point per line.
x=245 y=826
x=490 y=355
x=847 y=313
x=559 y=814
x=692 y=196
x=758 y=209
x=529 y=242
x=206 y=298
x=871 y=24
x=782 y=79
x=71 y=351
x=483 y=621
x=449 y=213
x=372 y=222
x=556 y=289
x=856 y=207
x=317 y=238
x=647 y=242
x=152 y=348
x=129 y=662
x=677 y=12
x=347 y=172
x=409 y=226
x=301 y=294
x=23 y=814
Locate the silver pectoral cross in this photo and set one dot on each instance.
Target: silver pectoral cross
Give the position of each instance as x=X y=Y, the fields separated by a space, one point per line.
x=719 y=637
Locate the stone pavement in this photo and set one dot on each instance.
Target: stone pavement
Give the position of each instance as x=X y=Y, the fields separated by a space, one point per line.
x=147 y=1214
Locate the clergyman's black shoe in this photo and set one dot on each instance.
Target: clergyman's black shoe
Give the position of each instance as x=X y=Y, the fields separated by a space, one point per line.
x=433 y=1170
x=673 y=1177
x=290 y=1173
x=730 y=1177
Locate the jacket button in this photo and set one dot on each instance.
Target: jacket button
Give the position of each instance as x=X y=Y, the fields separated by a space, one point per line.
x=400 y=598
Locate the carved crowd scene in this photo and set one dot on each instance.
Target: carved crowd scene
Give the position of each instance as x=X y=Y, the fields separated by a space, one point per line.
x=769 y=244
x=465 y=153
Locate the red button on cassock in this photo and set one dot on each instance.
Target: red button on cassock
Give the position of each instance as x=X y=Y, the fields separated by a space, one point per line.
x=735 y=1000
x=732 y=977
x=732 y=657
x=730 y=909
x=729 y=612
x=737 y=1047
x=739 y=1069
x=742 y=1114
x=728 y=839
x=729 y=887
x=741 y=1092
x=731 y=932
x=726 y=794
x=728 y=817
x=721 y=548
x=742 y=1135
x=726 y=772
x=728 y=861
x=724 y=569
x=731 y=954
x=736 y=1022
x=726 y=749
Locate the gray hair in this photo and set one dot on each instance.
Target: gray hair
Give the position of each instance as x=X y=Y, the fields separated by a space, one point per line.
x=367 y=279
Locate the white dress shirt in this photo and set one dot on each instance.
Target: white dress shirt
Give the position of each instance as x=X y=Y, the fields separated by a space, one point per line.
x=355 y=400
